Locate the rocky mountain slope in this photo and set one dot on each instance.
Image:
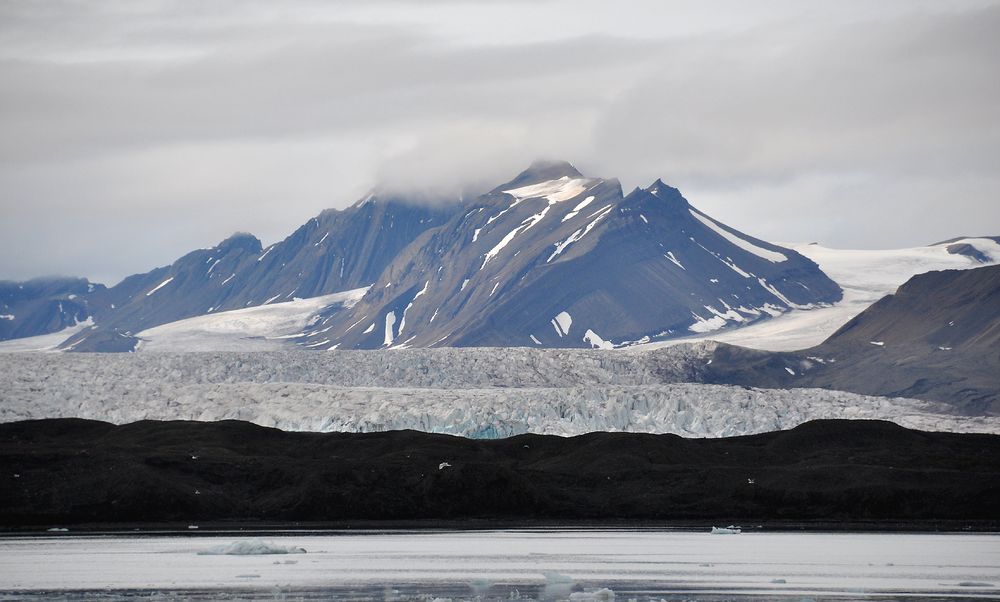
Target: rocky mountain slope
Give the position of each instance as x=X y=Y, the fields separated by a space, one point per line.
x=937 y=338
x=556 y=259
x=76 y=471
x=333 y=252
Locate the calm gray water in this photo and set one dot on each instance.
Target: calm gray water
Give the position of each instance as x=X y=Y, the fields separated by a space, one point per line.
x=564 y=564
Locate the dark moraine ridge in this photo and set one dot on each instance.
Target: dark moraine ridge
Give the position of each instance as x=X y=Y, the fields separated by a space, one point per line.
x=71 y=471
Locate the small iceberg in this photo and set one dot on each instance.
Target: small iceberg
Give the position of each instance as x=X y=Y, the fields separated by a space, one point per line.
x=254 y=547
x=730 y=530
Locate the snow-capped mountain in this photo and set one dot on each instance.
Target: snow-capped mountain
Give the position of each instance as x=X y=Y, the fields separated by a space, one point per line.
x=333 y=252
x=551 y=258
x=557 y=259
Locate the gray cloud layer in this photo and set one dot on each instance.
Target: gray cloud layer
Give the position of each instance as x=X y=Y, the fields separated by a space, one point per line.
x=135 y=131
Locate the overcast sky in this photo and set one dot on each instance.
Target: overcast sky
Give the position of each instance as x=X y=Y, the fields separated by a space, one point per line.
x=134 y=131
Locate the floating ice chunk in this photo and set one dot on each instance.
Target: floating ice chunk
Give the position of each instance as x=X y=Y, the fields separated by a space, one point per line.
x=878 y=343
x=443 y=465
x=537 y=342
x=746 y=245
x=7 y=317
x=600 y=595
x=252 y=547
x=159 y=286
x=789 y=370
x=370 y=329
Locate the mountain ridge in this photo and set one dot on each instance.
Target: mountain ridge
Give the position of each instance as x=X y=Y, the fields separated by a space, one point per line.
x=514 y=266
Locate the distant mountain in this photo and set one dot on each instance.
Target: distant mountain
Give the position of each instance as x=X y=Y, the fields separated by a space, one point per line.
x=552 y=258
x=556 y=259
x=336 y=251
x=936 y=338
x=44 y=305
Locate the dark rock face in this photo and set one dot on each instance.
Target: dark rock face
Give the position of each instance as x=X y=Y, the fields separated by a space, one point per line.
x=335 y=251
x=72 y=471
x=555 y=259
x=44 y=305
x=936 y=338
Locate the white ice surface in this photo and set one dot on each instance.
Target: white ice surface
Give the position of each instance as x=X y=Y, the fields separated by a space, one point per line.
x=865 y=277
x=560 y=562
x=469 y=392
x=43 y=342
x=262 y=328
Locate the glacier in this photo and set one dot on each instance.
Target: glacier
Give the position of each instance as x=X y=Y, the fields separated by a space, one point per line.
x=473 y=392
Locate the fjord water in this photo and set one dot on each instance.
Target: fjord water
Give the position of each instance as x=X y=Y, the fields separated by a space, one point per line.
x=527 y=564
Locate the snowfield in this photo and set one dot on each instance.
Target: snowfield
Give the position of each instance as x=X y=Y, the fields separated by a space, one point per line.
x=470 y=392
x=261 y=328
x=865 y=277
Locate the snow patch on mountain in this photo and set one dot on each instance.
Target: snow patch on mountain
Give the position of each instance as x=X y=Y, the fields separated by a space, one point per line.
x=554 y=191
x=746 y=245
x=160 y=285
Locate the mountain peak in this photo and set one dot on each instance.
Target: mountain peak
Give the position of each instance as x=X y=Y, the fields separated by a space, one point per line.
x=241 y=240
x=542 y=170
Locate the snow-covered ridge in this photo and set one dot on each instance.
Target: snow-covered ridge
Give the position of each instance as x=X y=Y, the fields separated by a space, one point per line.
x=469 y=392
x=746 y=245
